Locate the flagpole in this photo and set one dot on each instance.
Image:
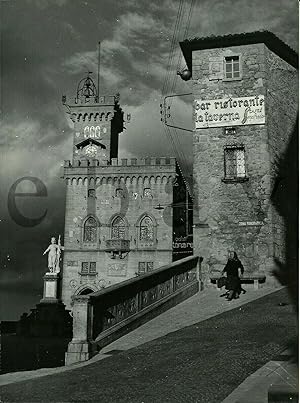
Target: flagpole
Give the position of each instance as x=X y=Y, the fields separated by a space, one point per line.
x=99 y=47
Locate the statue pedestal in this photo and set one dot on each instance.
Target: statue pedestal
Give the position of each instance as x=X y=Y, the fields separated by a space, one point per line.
x=49 y=318
x=50 y=288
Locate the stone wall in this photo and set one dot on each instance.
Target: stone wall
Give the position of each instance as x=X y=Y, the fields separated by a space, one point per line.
x=235 y=216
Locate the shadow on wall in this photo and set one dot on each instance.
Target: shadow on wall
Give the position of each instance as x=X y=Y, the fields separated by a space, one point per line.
x=284 y=198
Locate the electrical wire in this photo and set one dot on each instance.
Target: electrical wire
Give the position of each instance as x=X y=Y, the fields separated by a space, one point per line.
x=188 y=22
x=174 y=140
x=171 y=53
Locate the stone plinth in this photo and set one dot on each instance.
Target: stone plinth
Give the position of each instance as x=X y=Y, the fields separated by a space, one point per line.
x=50 y=288
x=80 y=348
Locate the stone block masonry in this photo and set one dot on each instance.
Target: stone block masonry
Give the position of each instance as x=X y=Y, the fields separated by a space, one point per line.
x=235 y=212
x=129 y=190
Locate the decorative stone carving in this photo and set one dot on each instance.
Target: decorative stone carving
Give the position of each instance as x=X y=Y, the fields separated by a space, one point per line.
x=73 y=283
x=117 y=269
x=102 y=283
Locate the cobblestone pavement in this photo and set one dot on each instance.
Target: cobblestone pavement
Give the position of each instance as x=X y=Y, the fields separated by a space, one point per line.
x=203 y=362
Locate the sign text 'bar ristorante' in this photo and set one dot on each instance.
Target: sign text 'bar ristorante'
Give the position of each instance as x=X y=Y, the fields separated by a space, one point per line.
x=240 y=111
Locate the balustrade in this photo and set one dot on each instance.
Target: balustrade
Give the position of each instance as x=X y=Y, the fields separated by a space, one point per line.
x=103 y=316
x=117 y=245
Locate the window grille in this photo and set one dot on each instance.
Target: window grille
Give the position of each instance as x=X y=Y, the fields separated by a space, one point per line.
x=146 y=229
x=90 y=230
x=235 y=163
x=118 y=228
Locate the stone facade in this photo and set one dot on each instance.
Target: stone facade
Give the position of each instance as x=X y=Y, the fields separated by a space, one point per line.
x=238 y=214
x=117 y=224
x=105 y=206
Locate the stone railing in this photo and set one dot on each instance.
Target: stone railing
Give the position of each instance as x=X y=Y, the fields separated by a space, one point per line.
x=117 y=245
x=103 y=316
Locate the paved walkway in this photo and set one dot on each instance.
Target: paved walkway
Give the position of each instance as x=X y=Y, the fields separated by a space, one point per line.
x=186 y=334
x=254 y=389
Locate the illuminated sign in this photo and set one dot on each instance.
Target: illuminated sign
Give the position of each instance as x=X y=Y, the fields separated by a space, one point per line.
x=229 y=112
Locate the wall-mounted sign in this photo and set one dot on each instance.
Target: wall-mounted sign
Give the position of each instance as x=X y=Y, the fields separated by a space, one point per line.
x=250 y=223
x=183 y=242
x=182 y=245
x=229 y=112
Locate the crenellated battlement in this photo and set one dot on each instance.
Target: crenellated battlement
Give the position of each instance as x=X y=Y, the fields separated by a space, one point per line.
x=95 y=101
x=148 y=161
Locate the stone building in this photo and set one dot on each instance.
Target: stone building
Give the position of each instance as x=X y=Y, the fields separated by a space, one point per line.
x=245 y=89
x=119 y=213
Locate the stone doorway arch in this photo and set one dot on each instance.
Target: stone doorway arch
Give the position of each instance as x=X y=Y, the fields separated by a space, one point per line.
x=86 y=291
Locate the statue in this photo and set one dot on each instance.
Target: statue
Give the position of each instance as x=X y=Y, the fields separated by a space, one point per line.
x=54 y=252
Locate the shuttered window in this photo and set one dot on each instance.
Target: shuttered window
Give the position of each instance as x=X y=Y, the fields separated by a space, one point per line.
x=88 y=268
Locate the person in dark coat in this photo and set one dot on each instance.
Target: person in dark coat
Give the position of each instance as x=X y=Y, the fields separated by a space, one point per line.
x=233 y=284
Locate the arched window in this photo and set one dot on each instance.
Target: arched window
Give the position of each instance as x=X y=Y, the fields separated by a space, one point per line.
x=146 y=229
x=118 y=228
x=90 y=230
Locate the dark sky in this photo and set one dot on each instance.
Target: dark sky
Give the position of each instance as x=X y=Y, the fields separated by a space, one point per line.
x=46 y=48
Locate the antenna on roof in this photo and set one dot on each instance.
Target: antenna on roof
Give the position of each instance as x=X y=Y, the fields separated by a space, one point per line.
x=98 y=85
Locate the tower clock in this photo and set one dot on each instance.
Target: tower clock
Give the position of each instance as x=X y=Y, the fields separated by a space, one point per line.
x=98 y=120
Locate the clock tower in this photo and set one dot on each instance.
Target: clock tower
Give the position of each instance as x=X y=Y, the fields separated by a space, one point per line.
x=119 y=213
x=98 y=120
